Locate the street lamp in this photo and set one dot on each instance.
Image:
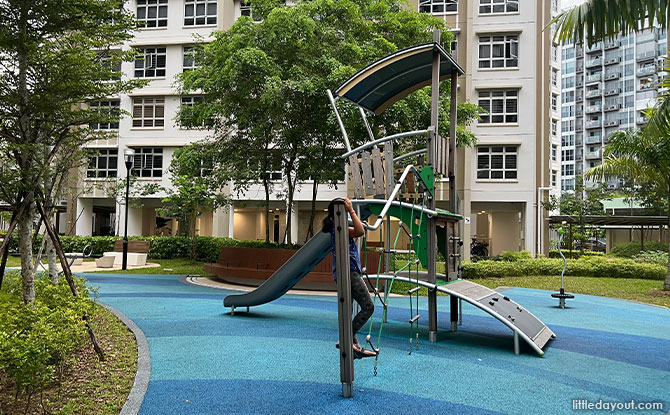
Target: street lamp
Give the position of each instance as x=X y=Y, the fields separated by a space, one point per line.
x=129 y=155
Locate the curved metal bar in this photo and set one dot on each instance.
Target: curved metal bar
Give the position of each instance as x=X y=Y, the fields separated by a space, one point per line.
x=339 y=120
x=408 y=155
x=363 y=202
x=382 y=140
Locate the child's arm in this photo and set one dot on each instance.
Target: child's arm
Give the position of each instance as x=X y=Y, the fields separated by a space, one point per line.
x=356 y=230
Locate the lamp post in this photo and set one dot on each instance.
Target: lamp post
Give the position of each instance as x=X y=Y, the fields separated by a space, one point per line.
x=129 y=155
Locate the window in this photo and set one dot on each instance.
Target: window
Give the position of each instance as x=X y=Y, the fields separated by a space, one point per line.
x=498 y=6
x=554 y=175
x=554 y=152
x=501 y=105
x=499 y=51
x=148 y=162
x=568 y=170
x=568 y=155
x=438 y=6
x=103 y=164
x=554 y=127
x=567 y=184
x=150 y=62
x=152 y=13
x=454 y=45
x=199 y=12
x=148 y=112
x=110 y=108
x=554 y=77
x=496 y=162
x=554 y=102
x=188 y=61
x=189 y=101
x=568 y=140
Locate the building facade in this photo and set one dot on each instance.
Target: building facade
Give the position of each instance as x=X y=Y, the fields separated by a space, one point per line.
x=606 y=87
x=512 y=71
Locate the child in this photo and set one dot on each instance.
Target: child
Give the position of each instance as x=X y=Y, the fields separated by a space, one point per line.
x=359 y=290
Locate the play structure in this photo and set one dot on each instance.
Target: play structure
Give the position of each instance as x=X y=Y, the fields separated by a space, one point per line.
x=387 y=186
x=562 y=295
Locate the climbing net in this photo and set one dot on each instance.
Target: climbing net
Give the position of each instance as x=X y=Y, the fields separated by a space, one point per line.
x=410 y=223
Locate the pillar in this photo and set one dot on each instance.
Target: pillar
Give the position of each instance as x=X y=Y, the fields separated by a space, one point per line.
x=84 y=217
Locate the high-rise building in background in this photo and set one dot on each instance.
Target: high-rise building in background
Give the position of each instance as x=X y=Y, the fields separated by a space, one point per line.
x=606 y=87
x=512 y=71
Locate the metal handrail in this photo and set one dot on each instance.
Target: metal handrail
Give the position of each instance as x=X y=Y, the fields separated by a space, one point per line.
x=408 y=155
x=383 y=140
x=389 y=201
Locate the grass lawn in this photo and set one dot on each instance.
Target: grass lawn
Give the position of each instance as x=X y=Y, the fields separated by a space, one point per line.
x=167 y=266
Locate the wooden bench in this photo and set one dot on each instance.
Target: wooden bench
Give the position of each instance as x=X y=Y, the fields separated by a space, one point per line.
x=137 y=253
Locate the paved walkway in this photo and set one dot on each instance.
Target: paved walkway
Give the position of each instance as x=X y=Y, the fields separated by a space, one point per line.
x=280 y=357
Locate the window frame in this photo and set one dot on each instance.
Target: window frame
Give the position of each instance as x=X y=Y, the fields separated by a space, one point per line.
x=113 y=105
x=151 y=58
x=502 y=151
x=432 y=5
x=491 y=4
x=208 y=19
x=506 y=98
x=142 y=155
x=157 y=20
x=96 y=172
x=157 y=122
x=509 y=59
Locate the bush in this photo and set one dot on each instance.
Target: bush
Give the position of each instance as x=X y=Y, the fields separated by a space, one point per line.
x=510 y=256
x=631 y=249
x=652 y=257
x=584 y=267
x=574 y=254
x=37 y=339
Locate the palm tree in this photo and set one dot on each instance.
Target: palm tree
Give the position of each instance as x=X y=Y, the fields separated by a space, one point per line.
x=641 y=155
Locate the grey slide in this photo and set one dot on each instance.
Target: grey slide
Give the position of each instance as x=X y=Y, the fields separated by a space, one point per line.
x=287 y=276
x=523 y=323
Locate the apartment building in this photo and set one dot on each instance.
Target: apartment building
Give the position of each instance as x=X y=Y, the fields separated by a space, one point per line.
x=606 y=87
x=512 y=70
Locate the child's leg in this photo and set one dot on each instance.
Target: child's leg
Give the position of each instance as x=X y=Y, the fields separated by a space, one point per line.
x=360 y=293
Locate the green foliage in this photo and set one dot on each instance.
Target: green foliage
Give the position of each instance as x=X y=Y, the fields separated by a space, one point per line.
x=574 y=254
x=36 y=339
x=632 y=249
x=583 y=267
x=515 y=256
x=652 y=257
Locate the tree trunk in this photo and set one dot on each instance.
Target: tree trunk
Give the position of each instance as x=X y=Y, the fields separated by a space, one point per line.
x=193 y=236
x=51 y=255
x=310 y=229
x=26 y=251
x=266 y=187
x=5 y=247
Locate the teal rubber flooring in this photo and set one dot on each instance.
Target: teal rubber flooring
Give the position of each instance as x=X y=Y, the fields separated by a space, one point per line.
x=280 y=357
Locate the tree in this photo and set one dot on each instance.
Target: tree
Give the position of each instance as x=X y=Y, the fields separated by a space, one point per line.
x=194 y=189
x=268 y=79
x=641 y=156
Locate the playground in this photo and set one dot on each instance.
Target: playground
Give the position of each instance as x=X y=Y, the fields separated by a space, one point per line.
x=280 y=357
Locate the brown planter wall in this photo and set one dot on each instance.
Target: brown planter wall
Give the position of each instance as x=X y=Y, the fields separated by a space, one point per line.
x=252 y=266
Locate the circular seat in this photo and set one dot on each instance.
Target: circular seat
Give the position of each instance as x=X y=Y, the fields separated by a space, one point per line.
x=562 y=296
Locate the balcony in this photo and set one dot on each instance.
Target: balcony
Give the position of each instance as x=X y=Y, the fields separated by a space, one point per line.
x=594 y=48
x=612 y=107
x=594 y=93
x=614 y=91
x=611 y=44
x=593 y=63
x=579 y=68
x=642 y=121
x=594 y=78
x=612 y=123
x=579 y=127
x=580 y=82
x=612 y=60
x=647 y=86
x=594 y=139
x=593 y=108
x=579 y=98
x=593 y=124
x=579 y=140
x=646 y=70
x=612 y=75
x=645 y=56
x=592 y=155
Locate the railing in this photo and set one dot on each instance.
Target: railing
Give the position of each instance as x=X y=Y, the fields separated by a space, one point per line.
x=593 y=124
x=594 y=139
x=593 y=108
x=383 y=140
x=594 y=62
x=593 y=93
x=594 y=48
x=594 y=78
x=650 y=54
x=646 y=71
x=613 y=75
x=592 y=155
x=612 y=123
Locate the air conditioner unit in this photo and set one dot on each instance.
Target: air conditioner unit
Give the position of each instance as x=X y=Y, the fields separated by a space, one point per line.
x=611 y=123
x=612 y=76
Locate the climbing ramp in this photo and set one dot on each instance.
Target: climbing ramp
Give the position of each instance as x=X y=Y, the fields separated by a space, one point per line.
x=522 y=322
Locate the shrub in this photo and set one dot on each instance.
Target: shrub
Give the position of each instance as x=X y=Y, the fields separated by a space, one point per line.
x=584 y=267
x=574 y=254
x=37 y=339
x=510 y=256
x=631 y=249
x=652 y=257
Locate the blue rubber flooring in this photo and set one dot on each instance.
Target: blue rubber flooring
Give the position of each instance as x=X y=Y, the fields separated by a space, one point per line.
x=280 y=358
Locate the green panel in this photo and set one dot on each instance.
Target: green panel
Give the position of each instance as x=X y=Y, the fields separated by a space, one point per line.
x=426 y=174
x=407 y=216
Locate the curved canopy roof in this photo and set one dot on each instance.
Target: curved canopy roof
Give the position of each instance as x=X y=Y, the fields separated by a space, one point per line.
x=379 y=85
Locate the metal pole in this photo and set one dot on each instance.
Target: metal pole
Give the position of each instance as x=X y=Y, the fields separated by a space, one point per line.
x=124 y=263
x=344 y=304
x=339 y=120
x=431 y=147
